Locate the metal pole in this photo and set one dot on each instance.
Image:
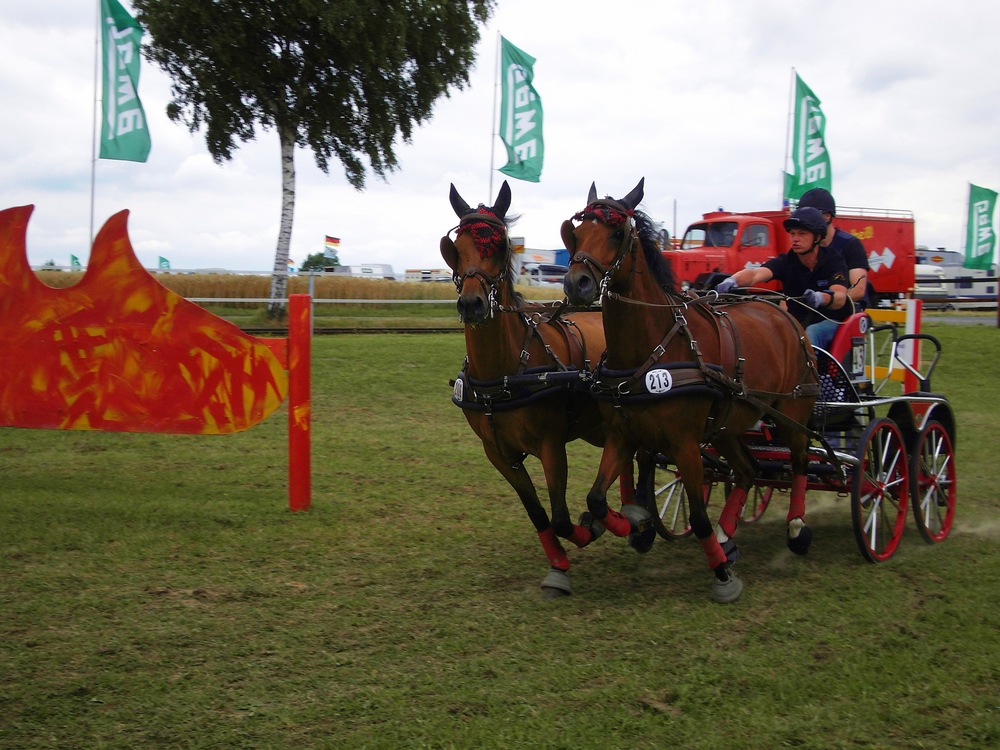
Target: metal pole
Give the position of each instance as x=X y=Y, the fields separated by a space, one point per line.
x=299 y=402
x=788 y=127
x=493 y=122
x=93 y=122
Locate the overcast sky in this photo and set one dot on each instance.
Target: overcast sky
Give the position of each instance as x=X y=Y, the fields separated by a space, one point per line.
x=692 y=95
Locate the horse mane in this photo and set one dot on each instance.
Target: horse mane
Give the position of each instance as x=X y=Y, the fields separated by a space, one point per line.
x=658 y=265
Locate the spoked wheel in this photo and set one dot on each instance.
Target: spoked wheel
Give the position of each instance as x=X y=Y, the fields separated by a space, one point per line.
x=672 y=502
x=932 y=483
x=879 y=490
x=756 y=504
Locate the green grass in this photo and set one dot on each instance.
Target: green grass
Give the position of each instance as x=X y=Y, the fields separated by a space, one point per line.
x=156 y=592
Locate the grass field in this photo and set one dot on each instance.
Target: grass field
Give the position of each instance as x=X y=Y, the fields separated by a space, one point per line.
x=156 y=592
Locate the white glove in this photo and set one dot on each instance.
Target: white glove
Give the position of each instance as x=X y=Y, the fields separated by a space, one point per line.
x=726 y=285
x=814 y=299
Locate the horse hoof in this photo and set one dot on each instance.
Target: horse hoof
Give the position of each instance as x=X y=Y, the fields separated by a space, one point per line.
x=556 y=584
x=590 y=523
x=798 y=536
x=731 y=550
x=728 y=591
x=643 y=533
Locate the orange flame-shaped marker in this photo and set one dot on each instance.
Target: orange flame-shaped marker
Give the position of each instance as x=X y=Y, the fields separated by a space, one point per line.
x=120 y=352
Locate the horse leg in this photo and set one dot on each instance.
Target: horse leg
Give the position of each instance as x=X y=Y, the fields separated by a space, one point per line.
x=726 y=586
x=626 y=484
x=798 y=535
x=553 y=458
x=732 y=448
x=642 y=511
x=616 y=456
x=556 y=582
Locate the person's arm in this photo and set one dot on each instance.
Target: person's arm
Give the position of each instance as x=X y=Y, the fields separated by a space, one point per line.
x=752 y=276
x=859 y=283
x=838 y=296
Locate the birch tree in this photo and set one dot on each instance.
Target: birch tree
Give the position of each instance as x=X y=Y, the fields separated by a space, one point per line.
x=343 y=78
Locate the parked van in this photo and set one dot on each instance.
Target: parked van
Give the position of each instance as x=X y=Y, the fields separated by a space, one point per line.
x=544 y=274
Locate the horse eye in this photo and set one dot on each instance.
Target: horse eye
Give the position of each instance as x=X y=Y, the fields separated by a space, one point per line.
x=619 y=233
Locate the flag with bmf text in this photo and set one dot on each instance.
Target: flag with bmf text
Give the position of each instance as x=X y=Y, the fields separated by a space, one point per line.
x=981 y=239
x=124 y=134
x=520 y=114
x=810 y=159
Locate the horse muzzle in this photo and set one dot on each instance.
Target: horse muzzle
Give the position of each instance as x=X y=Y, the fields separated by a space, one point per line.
x=579 y=286
x=473 y=309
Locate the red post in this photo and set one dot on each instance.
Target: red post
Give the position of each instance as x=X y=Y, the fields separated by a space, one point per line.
x=299 y=401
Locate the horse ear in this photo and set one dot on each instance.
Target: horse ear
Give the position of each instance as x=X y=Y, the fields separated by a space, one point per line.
x=635 y=197
x=457 y=203
x=568 y=234
x=503 y=200
x=449 y=252
x=592 y=195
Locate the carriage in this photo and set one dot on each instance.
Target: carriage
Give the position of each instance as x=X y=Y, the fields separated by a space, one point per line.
x=716 y=391
x=885 y=453
x=727 y=390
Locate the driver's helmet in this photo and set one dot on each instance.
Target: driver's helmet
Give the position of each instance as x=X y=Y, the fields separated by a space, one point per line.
x=810 y=219
x=819 y=198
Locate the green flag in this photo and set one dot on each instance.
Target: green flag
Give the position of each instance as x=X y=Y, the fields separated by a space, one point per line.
x=74 y=262
x=520 y=115
x=124 y=134
x=164 y=263
x=981 y=239
x=810 y=159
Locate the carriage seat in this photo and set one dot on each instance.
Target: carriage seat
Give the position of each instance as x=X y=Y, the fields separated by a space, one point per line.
x=848 y=345
x=842 y=373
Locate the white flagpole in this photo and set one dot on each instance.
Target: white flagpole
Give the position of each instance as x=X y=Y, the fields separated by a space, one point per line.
x=788 y=130
x=493 y=122
x=93 y=118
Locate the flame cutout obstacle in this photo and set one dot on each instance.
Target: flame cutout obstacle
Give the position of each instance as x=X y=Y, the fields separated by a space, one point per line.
x=119 y=352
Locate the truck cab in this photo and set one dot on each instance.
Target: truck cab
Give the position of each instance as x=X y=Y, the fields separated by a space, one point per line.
x=721 y=245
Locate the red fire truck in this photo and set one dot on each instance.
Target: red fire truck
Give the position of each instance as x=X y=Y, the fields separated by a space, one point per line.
x=723 y=243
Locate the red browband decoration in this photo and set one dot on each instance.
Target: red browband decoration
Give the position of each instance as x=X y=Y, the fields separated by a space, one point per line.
x=485 y=235
x=604 y=213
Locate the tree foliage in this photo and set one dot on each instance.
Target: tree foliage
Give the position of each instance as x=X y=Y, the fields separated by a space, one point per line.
x=344 y=76
x=318 y=261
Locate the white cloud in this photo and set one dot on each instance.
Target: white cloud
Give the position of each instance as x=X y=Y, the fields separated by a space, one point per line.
x=691 y=96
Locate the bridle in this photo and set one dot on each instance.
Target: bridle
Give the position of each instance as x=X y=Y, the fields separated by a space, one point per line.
x=488 y=244
x=615 y=215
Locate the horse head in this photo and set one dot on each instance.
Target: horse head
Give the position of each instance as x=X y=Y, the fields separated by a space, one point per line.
x=606 y=233
x=479 y=257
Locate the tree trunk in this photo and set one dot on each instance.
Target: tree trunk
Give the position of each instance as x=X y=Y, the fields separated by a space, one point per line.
x=279 y=281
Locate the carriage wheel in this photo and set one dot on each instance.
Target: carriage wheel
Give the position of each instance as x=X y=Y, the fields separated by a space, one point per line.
x=932 y=483
x=673 y=504
x=879 y=490
x=756 y=504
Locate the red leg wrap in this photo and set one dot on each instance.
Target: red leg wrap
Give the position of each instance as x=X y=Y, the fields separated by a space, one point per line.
x=797 y=499
x=626 y=483
x=616 y=523
x=731 y=513
x=553 y=550
x=714 y=551
x=581 y=536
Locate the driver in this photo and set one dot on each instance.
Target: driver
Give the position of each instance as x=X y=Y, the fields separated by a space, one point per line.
x=813 y=277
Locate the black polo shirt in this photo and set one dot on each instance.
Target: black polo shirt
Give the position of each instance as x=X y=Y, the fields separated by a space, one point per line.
x=795 y=278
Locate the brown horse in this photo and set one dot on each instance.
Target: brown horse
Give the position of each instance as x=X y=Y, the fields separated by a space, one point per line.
x=680 y=372
x=520 y=386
